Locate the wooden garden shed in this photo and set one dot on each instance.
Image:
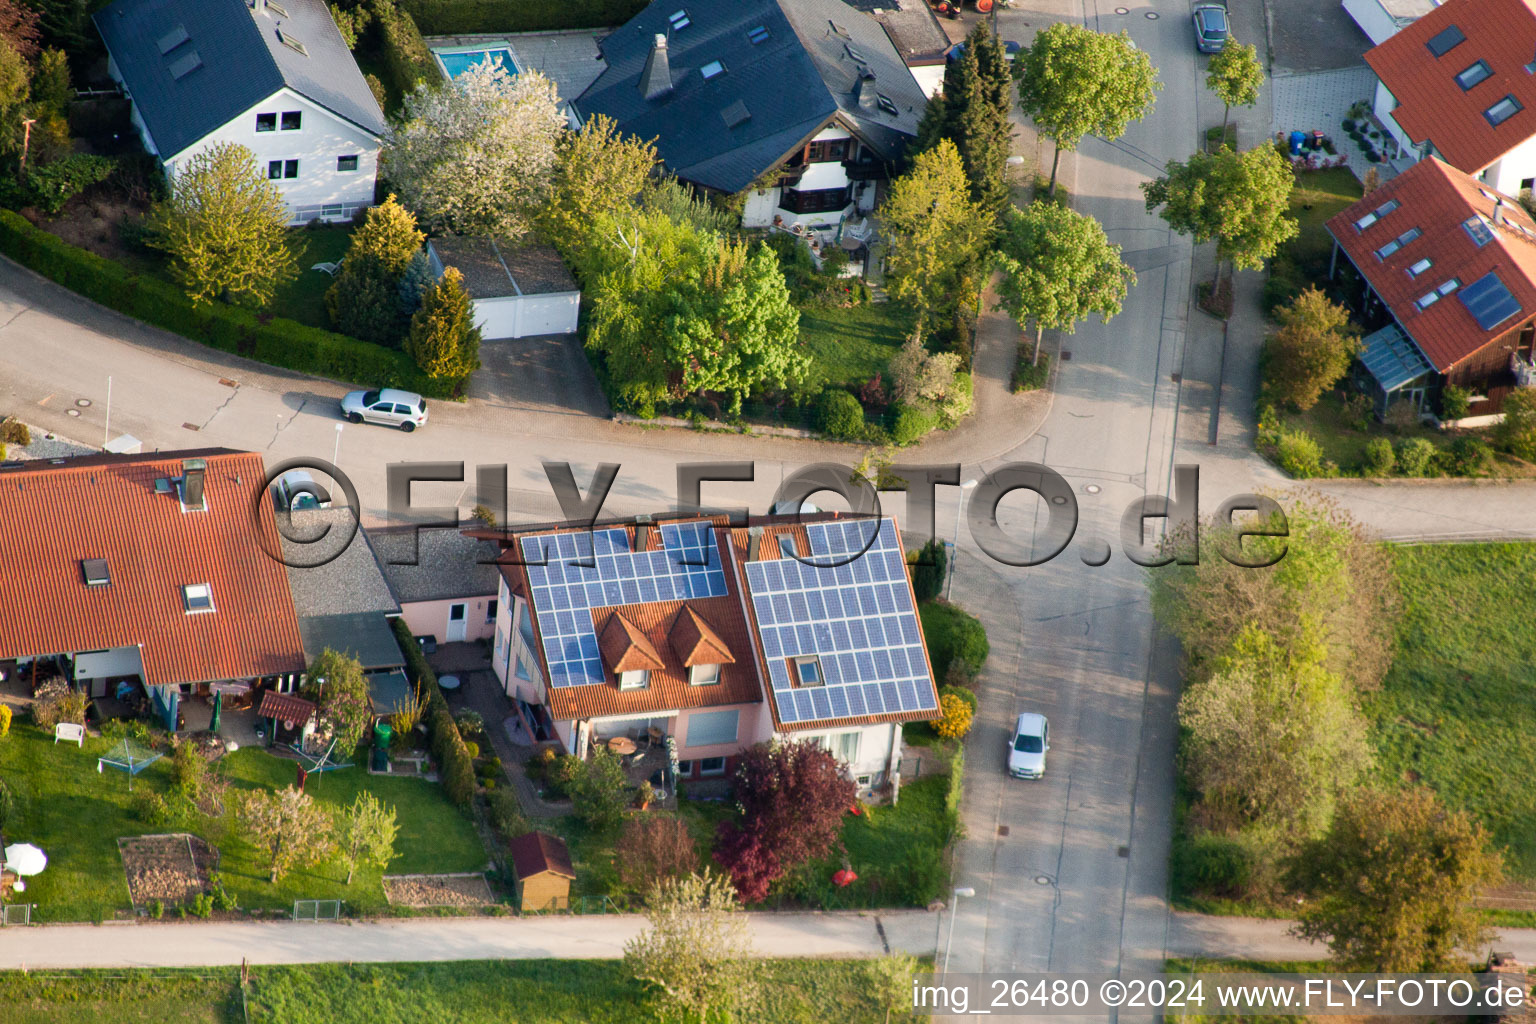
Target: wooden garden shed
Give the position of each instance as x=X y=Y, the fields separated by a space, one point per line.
x=544 y=873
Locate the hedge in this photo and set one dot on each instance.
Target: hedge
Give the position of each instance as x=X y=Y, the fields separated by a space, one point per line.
x=270 y=340
x=404 y=53
x=457 y=767
x=467 y=17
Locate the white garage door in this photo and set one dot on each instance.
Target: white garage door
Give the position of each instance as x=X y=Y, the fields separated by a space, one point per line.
x=527 y=315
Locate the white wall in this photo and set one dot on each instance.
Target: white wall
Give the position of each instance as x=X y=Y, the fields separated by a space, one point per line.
x=1373 y=19
x=930 y=77
x=874 y=746
x=522 y=316
x=508 y=651
x=319 y=141
x=1384 y=104
x=1512 y=168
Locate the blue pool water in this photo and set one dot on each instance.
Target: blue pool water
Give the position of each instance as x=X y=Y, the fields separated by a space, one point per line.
x=457 y=62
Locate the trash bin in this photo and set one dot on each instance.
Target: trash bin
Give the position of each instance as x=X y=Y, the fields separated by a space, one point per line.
x=1297 y=139
x=381 y=737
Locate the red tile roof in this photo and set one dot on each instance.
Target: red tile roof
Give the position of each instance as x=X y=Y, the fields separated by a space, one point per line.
x=1437 y=199
x=1433 y=106
x=285 y=706
x=57 y=514
x=695 y=642
x=537 y=852
x=625 y=647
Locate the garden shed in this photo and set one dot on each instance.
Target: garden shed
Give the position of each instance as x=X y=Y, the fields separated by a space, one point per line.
x=518 y=291
x=544 y=872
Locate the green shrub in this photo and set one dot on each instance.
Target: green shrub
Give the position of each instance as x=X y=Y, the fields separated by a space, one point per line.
x=957 y=641
x=1455 y=402
x=202 y=905
x=7 y=804
x=913 y=423
x=458 y=772
x=1469 y=456
x=270 y=340
x=472 y=749
x=156 y=909
x=1299 y=454
x=150 y=808
x=1516 y=432
x=840 y=416
x=1285 y=282
x=963 y=693
x=927 y=567
x=1212 y=865
x=505 y=816
x=1379 y=458
x=404 y=53
x=1416 y=456
x=189 y=770
x=13 y=431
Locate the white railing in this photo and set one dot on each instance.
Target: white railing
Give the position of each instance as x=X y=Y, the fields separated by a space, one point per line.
x=1525 y=372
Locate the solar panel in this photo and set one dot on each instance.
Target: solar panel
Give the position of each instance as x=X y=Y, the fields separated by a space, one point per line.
x=598 y=569
x=857 y=618
x=1489 y=301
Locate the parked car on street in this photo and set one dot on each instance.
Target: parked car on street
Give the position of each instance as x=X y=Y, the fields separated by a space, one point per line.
x=296 y=490
x=1028 y=745
x=404 y=409
x=1211 y=28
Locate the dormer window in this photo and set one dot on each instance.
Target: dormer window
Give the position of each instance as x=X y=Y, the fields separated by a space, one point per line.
x=197 y=598
x=638 y=679
x=807 y=671
x=704 y=675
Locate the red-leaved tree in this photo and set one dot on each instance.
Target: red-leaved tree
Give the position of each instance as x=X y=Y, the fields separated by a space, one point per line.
x=793 y=796
x=18 y=26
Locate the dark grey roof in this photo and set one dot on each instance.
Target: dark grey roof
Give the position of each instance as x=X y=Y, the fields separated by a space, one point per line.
x=350 y=582
x=495 y=268
x=448 y=565
x=240 y=60
x=914 y=30
x=803 y=72
x=366 y=636
x=388 y=691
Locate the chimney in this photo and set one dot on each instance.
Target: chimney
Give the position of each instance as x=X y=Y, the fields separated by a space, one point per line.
x=1498 y=211
x=656 y=79
x=192 y=483
x=259 y=6
x=754 y=542
x=864 y=90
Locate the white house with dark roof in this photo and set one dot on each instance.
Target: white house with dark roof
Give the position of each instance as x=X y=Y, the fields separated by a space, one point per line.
x=272 y=75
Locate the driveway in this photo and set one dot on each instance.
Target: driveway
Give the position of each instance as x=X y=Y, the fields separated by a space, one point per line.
x=548 y=375
x=1312 y=35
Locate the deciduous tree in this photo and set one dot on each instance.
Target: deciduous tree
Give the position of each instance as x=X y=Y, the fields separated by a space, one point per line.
x=475 y=156
x=1076 y=82
x=936 y=232
x=600 y=791
x=364 y=833
x=287 y=826
x=336 y=682
x=443 y=339
x=380 y=252
x=19 y=27
x=696 y=952
x=654 y=848
x=1238 y=199
x=1390 y=885
x=597 y=171
x=890 y=982
x=1235 y=75
x=1516 y=433
x=225 y=228
x=1311 y=350
x=1058 y=267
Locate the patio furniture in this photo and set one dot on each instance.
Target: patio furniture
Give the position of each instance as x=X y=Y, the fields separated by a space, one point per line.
x=327 y=268
x=448 y=682
x=654 y=735
x=69 y=732
x=622 y=745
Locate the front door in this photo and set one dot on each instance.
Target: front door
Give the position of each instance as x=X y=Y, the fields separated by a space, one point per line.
x=456 y=621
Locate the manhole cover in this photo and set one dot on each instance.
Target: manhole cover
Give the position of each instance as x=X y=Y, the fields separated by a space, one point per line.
x=1059 y=500
x=1124 y=851
x=84 y=403
x=1042 y=879
x=1122 y=10
x=1092 y=488
x=1065 y=357
x=72 y=412
x=1002 y=830
x=1177 y=378
x=1151 y=15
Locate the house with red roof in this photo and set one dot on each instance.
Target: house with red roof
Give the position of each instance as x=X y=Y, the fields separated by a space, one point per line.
x=1449 y=267
x=1459 y=83
x=709 y=637
x=159 y=569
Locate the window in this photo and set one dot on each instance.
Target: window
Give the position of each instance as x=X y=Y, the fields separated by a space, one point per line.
x=456 y=612
x=757 y=34
x=1429 y=299
x=855 y=53
x=1445 y=41
x=1419 y=267
x=490 y=610
x=886 y=104
x=838 y=30
x=847 y=747
x=266 y=122
x=95 y=572
x=276 y=10
x=1503 y=110
x=293 y=120
x=197 y=597
x=172 y=39
x=1527 y=183
x=679 y=20
x=813 y=201
x=1476 y=73
x=291 y=42
x=709 y=728
x=685 y=769
x=712 y=766
x=344 y=164
x=712 y=69
x=1478 y=230
x=1397 y=243
x=1376 y=214
x=639 y=679
x=807 y=671
x=826 y=151
x=704 y=675
x=274 y=169
x=290 y=168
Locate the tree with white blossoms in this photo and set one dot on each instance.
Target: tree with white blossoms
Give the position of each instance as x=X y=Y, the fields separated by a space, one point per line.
x=476 y=156
x=696 y=955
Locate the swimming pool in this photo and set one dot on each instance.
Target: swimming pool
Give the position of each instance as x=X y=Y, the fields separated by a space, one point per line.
x=459 y=60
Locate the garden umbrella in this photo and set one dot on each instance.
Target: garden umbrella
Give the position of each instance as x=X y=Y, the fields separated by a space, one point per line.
x=25 y=859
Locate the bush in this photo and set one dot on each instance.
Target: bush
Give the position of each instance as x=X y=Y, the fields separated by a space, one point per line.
x=1516 y=433
x=1416 y=457
x=472 y=749
x=913 y=423
x=957 y=717
x=1286 y=281
x=539 y=766
x=600 y=791
x=404 y=54
x=1468 y=456
x=458 y=773
x=1455 y=402
x=150 y=808
x=505 y=816
x=1299 y=454
x=156 y=909
x=490 y=768
x=1213 y=865
x=68 y=706
x=468 y=17
x=968 y=696
x=5 y=720
x=51 y=186
x=1030 y=374
x=653 y=848
x=7 y=804
x=956 y=639
x=840 y=416
x=1379 y=458
x=13 y=431
x=470 y=723
x=189 y=770
x=202 y=905
x=927 y=566
x=270 y=340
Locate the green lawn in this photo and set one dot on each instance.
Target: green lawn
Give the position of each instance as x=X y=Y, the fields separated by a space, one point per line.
x=471 y=992
x=849 y=346
x=1458 y=708
x=1317 y=196
x=77 y=815
x=303 y=298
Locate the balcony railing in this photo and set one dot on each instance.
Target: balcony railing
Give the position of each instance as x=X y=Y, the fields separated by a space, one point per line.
x=1525 y=372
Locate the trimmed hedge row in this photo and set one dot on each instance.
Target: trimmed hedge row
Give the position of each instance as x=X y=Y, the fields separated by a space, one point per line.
x=404 y=53
x=464 y=17
x=458 y=769
x=270 y=340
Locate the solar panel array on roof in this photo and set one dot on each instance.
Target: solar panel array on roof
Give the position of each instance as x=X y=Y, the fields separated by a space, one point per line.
x=855 y=616
x=1489 y=301
x=565 y=591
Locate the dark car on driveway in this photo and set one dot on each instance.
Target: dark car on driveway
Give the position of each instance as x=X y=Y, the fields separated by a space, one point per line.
x=1211 y=28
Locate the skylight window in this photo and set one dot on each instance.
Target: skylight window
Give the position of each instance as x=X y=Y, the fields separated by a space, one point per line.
x=185 y=65
x=1397 y=243
x=197 y=597
x=172 y=39
x=1419 y=267
x=712 y=69
x=855 y=53
x=95 y=572
x=1445 y=41
x=1478 y=72
x=886 y=104
x=808 y=671
x=1503 y=110
x=1376 y=214
x=291 y=42
x=757 y=34
x=679 y=20
x=1430 y=298
x=736 y=114
x=1478 y=230
x=277 y=9
x=838 y=30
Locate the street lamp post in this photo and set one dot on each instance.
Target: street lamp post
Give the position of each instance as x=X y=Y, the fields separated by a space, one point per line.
x=336 y=450
x=959 y=891
x=954 y=548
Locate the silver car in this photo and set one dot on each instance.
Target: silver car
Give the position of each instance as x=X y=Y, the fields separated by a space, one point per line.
x=296 y=490
x=1026 y=749
x=404 y=409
